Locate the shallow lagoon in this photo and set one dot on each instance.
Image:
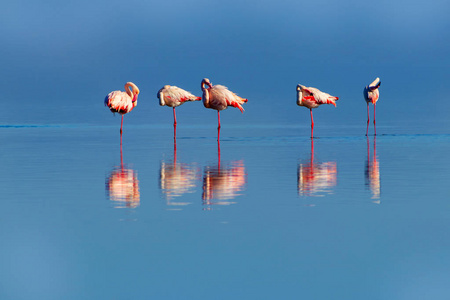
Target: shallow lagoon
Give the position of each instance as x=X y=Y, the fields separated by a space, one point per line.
x=273 y=215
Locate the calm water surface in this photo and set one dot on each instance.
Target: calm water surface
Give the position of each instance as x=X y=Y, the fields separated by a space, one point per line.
x=264 y=214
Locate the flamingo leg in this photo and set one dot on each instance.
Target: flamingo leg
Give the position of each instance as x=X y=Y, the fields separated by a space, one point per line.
x=175 y=137
x=174 y=145
x=374 y=126
x=121 y=154
x=121 y=125
x=218 y=116
x=218 y=135
x=174 y=118
x=218 y=148
x=368 y=119
x=312 y=123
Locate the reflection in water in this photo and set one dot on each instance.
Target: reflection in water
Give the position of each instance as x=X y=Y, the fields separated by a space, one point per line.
x=223 y=181
x=316 y=177
x=372 y=171
x=122 y=185
x=175 y=178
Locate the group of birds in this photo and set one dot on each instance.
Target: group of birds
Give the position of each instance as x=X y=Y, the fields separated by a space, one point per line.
x=219 y=97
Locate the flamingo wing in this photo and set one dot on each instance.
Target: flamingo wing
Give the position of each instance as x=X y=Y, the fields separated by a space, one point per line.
x=325 y=98
x=314 y=97
x=119 y=102
x=175 y=96
x=227 y=97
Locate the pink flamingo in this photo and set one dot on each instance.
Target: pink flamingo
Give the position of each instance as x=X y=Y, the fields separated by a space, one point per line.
x=173 y=96
x=371 y=95
x=218 y=97
x=311 y=98
x=121 y=102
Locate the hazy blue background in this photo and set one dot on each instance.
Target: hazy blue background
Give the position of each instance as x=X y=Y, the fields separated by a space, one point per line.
x=59 y=60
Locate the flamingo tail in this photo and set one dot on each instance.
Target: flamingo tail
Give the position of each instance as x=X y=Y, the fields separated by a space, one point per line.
x=331 y=100
x=237 y=105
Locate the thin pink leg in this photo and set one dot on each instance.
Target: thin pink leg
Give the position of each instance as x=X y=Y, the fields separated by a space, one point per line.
x=174 y=145
x=374 y=126
x=121 y=125
x=312 y=123
x=218 y=135
x=218 y=116
x=121 y=155
x=218 y=146
x=368 y=119
x=175 y=136
x=174 y=118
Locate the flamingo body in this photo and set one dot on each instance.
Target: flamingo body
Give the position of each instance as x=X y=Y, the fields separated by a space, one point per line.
x=311 y=98
x=371 y=95
x=173 y=96
x=218 y=97
x=123 y=102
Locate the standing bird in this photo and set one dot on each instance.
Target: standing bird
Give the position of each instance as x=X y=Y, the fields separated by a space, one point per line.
x=121 y=102
x=173 y=96
x=371 y=95
x=218 y=97
x=312 y=98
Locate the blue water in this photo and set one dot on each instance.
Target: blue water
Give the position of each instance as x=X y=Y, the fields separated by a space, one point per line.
x=272 y=215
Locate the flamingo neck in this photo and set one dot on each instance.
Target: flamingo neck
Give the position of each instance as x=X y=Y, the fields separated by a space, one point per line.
x=132 y=92
x=205 y=83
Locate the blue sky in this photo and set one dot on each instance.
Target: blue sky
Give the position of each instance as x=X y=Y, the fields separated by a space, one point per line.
x=59 y=60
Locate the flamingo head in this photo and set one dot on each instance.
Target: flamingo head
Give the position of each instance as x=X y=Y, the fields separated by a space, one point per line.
x=375 y=84
x=299 y=94
x=134 y=90
x=160 y=95
x=207 y=82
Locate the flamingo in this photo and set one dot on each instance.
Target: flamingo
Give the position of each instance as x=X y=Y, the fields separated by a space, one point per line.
x=218 y=97
x=123 y=102
x=371 y=95
x=311 y=98
x=173 y=96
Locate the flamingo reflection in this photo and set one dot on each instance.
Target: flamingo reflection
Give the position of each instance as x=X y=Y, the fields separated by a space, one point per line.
x=316 y=177
x=223 y=181
x=122 y=185
x=176 y=179
x=372 y=172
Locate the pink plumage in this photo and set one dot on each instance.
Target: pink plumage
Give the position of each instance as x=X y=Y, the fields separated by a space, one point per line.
x=218 y=97
x=123 y=102
x=173 y=96
x=311 y=98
